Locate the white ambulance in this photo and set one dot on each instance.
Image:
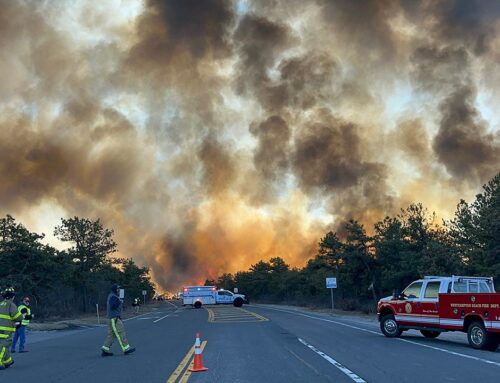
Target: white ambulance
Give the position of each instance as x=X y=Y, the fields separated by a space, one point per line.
x=209 y=295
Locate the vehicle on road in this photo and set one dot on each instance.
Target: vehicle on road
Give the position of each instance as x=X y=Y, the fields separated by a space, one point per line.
x=209 y=295
x=437 y=304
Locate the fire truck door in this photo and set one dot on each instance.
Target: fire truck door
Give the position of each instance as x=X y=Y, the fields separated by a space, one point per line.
x=429 y=304
x=410 y=309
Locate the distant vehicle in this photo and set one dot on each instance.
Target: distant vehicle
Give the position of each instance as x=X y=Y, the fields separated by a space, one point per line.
x=437 y=304
x=209 y=295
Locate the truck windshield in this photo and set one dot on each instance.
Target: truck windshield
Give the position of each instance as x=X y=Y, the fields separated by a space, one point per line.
x=413 y=291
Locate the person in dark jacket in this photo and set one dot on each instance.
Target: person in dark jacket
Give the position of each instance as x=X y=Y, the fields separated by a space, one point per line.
x=116 y=330
x=136 y=304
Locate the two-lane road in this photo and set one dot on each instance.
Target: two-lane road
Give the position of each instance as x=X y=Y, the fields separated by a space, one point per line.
x=256 y=343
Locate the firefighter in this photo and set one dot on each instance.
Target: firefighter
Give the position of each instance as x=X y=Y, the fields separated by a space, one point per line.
x=20 y=334
x=136 y=304
x=116 y=330
x=9 y=320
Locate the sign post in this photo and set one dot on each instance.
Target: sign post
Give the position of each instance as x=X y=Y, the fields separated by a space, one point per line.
x=331 y=283
x=97 y=309
x=144 y=292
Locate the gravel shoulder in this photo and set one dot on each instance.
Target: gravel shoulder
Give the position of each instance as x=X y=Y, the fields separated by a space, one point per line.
x=87 y=320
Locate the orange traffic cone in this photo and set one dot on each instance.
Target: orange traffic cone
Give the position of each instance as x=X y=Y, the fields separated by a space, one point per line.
x=198 y=363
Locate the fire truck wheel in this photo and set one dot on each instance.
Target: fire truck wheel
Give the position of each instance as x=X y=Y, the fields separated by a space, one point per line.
x=389 y=327
x=481 y=339
x=430 y=334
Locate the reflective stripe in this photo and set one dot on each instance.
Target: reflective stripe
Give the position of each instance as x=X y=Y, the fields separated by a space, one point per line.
x=4 y=336
x=24 y=322
x=7 y=328
x=2 y=353
x=105 y=348
x=113 y=325
x=8 y=317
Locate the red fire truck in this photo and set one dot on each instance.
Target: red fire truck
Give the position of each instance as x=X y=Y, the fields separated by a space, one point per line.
x=437 y=304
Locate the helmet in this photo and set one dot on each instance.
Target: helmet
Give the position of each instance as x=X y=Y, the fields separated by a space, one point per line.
x=9 y=293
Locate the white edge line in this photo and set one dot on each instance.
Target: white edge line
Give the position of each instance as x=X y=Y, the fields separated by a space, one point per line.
x=342 y=368
x=161 y=318
x=400 y=339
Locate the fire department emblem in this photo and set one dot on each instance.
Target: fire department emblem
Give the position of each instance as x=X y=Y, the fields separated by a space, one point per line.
x=473 y=299
x=408 y=308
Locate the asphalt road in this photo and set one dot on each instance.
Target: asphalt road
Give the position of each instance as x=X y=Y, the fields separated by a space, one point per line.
x=253 y=344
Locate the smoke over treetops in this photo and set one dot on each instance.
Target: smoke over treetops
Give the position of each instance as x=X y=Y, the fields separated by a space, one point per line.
x=212 y=134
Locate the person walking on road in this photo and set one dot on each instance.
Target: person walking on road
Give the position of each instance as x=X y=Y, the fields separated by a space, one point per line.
x=116 y=330
x=9 y=320
x=20 y=333
x=136 y=305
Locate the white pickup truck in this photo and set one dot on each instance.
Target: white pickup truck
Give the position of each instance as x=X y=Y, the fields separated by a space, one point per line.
x=209 y=295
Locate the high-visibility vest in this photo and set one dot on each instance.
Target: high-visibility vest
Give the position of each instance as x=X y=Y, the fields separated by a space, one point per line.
x=24 y=322
x=8 y=316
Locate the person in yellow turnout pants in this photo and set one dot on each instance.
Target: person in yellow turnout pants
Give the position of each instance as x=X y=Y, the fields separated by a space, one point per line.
x=9 y=319
x=116 y=330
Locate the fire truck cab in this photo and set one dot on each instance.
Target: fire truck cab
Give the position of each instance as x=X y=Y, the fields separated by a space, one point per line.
x=437 y=304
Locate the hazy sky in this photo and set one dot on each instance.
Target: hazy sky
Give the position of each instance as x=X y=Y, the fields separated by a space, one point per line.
x=211 y=134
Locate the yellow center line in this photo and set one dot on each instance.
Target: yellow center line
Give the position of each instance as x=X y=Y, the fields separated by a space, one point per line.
x=187 y=373
x=181 y=366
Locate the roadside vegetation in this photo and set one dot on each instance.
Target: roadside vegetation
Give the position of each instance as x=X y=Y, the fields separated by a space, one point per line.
x=399 y=250
x=70 y=282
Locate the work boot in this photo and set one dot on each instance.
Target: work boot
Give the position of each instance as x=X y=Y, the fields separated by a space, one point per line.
x=7 y=365
x=106 y=353
x=129 y=351
x=20 y=351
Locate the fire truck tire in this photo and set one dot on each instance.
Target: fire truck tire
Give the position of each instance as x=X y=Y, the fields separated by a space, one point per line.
x=238 y=302
x=430 y=333
x=481 y=339
x=197 y=304
x=390 y=327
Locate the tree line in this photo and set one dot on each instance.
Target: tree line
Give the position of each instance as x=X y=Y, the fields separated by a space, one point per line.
x=397 y=251
x=70 y=281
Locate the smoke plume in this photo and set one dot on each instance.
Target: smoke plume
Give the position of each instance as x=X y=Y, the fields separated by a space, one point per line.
x=212 y=134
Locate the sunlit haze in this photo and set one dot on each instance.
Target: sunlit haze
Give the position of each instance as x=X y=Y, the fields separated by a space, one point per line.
x=212 y=134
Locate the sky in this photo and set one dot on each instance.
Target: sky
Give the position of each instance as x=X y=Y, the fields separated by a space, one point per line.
x=211 y=134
